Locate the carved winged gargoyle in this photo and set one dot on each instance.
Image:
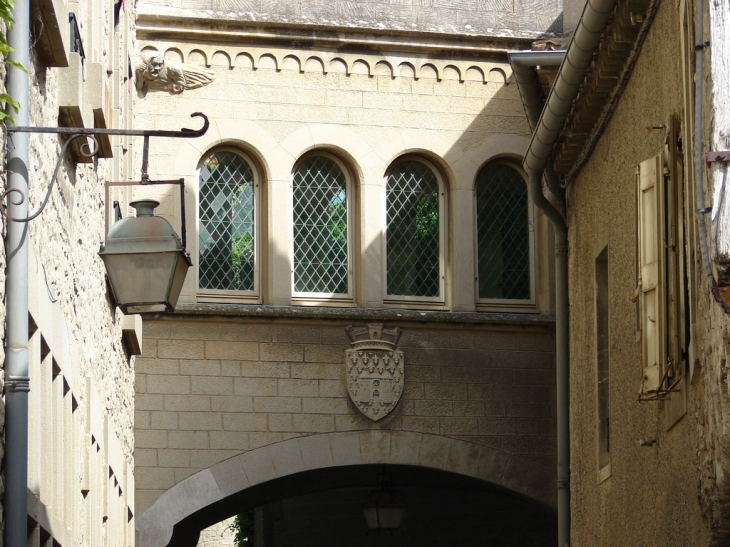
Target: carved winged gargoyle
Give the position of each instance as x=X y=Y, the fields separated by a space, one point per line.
x=156 y=74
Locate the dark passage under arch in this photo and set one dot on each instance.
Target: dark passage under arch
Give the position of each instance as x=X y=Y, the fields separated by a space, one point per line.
x=322 y=507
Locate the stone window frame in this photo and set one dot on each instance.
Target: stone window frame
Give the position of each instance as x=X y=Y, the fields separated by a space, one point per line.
x=232 y=296
x=440 y=302
x=327 y=299
x=528 y=305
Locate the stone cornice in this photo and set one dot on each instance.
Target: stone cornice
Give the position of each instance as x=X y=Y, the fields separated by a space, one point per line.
x=324 y=61
x=435 y=318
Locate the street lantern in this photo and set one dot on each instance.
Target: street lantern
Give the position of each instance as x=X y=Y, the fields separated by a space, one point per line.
x=384 y=507
x=145 y=260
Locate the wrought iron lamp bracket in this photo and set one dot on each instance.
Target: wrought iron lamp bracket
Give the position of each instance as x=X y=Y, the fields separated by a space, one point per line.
x=88 y=152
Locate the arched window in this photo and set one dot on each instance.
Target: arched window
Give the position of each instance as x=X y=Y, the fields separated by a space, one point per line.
x=226 y=223
x=321 y=228
x=503 y=234
x=414 y=242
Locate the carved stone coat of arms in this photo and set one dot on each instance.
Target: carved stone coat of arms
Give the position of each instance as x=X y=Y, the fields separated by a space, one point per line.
x=374 y=369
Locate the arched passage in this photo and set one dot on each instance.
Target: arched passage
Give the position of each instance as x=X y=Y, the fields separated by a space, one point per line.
x=265 y=474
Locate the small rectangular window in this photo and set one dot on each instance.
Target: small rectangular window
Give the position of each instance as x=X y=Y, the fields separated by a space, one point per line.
x=603 y=365
x=77 y=45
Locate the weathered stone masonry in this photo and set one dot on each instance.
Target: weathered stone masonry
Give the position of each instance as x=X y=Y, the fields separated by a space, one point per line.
x=212 y=389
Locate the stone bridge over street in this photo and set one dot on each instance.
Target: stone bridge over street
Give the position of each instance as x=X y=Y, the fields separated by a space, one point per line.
x=235 y=412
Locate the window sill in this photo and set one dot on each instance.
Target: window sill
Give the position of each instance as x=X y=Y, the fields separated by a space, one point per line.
x=415 y=303
x=356 y=314
x=508 y=306
x=604 y=473
x=326 y=302
x=227 y=297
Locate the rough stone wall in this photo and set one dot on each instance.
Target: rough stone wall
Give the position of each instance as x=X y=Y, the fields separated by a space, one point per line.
x=81 y=378
x=207 y=391
x=714 y=436
x=527 y=18
x=218 y=535
x=651 y=497
x=3 y=267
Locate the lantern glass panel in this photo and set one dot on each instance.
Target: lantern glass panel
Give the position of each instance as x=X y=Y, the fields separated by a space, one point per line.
x=142 y=279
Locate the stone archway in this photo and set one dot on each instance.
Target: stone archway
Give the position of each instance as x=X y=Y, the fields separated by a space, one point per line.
x=522 y=477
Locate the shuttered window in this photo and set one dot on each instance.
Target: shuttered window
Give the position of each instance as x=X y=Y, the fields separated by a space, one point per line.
x=651 y=291
x=662 y=290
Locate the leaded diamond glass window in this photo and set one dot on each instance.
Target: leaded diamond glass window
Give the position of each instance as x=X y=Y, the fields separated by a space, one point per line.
x=320 y=227
x=412 y=238
x=503 y=234
x=226 y=231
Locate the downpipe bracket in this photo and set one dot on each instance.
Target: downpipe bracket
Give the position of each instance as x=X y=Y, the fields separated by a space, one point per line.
x=17 y=383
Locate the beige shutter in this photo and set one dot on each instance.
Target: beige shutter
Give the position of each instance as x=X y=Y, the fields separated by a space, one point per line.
x=650 y=231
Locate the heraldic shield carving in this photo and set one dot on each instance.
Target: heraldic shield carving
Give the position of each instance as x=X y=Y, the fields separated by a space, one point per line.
x=374 y=369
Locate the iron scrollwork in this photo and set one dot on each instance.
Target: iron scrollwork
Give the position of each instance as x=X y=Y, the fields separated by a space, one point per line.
x=88 y=150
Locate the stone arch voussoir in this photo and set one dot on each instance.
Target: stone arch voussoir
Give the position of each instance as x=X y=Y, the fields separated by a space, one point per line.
x=518 y=475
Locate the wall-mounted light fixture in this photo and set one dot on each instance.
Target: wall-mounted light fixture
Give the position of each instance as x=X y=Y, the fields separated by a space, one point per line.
x=384 y=507
x=145 y=260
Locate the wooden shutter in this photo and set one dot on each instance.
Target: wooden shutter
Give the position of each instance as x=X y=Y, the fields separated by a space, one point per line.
x=678 y=338
x=651 y=293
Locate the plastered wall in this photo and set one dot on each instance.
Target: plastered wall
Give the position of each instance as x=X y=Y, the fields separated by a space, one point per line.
x=652 y=496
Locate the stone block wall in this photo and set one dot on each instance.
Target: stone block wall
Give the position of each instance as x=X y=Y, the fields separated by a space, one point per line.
x=80 y=462
x=367 y=108
x=208 y=390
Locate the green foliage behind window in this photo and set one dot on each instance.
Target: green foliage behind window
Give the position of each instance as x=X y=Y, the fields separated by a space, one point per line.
x=412 y=238
x=226 y=231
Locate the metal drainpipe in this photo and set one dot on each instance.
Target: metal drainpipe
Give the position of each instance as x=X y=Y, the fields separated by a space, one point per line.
x=523 y=64
x=699 y=186
x=578 y=56
x=523 y=67
x=531 y=93
x=593 y=21
x=561 y=352
x=562 y=364
x=17 y=382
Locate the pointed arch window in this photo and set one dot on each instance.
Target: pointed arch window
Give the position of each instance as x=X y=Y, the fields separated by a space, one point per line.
x=414 y=233
x=322 y=231
x=505 y=262
x=227 y=220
